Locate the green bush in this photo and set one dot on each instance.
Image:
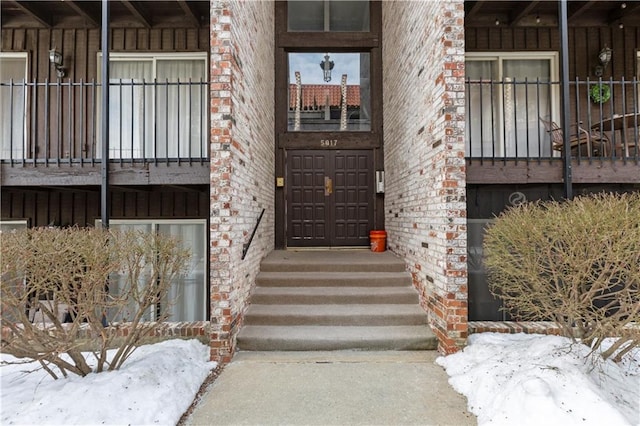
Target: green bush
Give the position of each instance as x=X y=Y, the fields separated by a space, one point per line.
x=576 y=263
x=56 y=282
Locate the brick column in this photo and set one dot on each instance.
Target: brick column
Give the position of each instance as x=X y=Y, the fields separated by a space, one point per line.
x=242 y=160
x=220 y=238
x=424 y=122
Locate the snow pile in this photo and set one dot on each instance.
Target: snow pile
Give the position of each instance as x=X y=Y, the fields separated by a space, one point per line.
x=521 y=379
x=156 y=385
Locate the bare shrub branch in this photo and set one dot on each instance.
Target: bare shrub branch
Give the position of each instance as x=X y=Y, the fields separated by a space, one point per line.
x=58 y=284
x=576 y=263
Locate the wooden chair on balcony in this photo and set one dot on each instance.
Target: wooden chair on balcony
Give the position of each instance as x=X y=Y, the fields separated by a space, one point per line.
x=583 y=142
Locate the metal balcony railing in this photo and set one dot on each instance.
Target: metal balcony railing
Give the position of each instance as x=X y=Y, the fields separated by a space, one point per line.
x=59 y=122
x=513 y=119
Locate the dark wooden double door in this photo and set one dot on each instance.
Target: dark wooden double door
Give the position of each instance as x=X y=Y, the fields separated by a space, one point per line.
x=330 y=197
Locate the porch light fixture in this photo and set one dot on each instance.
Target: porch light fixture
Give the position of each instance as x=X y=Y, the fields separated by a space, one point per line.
x=326 y=66
x=604 y=57
x=55 y=58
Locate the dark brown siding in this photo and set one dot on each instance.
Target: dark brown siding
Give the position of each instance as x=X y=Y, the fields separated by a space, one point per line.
x=584 y=45
x=82 y=207
x=80 y=46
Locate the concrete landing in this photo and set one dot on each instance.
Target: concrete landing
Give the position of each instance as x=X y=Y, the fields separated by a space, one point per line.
x=332 y=388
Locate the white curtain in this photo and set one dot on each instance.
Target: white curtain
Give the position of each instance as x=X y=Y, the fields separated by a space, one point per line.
x=12 y=108
x=130 y=109
x=504 y=121
x=187 y=297
x=482 y=114
x=524 y=105
x=117 y=281
x=186 y=300
x=181 y=109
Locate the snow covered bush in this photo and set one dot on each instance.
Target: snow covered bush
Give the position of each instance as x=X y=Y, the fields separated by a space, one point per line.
x=62 y=286
x=576 y=263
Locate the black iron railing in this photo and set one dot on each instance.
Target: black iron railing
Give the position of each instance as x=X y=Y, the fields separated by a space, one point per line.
x=519 y=119
x=59 y=122
x=245 y=246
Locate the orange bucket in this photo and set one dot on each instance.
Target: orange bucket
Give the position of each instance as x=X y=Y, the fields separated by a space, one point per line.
x=378 y=241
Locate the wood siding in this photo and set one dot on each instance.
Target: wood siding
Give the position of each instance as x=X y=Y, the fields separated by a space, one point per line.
x=82 y=207
x=80 y=46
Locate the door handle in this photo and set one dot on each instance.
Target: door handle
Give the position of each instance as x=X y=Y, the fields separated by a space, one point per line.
x=328 y=186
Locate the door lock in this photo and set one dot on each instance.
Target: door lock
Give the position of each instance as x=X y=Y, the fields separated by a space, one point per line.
x=328 y=186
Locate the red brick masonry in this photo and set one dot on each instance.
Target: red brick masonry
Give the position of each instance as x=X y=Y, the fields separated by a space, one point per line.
x=168 y=330
x=512 y=327
x=201 y=329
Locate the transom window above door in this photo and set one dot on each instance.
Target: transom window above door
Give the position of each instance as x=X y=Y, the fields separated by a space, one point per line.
x=329 y=92
x=328 y=15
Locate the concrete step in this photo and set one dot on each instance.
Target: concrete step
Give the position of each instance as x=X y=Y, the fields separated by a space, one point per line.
x=334 y=295
x=331 y=260
x=345 y=315
x=313 y=300
x=329 y=338
x=333 y=279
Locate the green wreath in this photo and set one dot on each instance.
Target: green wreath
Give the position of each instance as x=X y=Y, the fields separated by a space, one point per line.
x=600 y=93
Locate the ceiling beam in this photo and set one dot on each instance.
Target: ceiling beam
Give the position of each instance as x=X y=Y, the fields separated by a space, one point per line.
x=30 y=9
x=130 y=188
x=184 y=188
x=524 y=12
x=190 y=12
x=474 y=9
x=90 y=16
x=141 y=14
x=575 y=13
x=620 y=14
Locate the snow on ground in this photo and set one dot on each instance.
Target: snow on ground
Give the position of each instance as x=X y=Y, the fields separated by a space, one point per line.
x=508 y=379
x=155 y=386
x=519 y=379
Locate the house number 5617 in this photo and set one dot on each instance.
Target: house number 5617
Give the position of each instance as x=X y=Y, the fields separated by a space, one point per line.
x=326 y=143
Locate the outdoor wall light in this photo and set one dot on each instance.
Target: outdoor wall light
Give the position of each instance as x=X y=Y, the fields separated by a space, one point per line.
x=326 y=66
x=55 y=58
x=604 y=57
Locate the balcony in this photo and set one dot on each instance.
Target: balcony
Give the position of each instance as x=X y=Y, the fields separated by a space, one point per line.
x=158 y=132
x=513 y=133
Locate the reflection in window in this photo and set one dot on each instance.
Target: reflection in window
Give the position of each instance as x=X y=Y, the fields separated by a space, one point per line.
x=339 y=103
x=328 y=15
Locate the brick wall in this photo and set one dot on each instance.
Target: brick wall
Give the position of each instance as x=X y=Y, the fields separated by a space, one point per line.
x=242 y=159
x=425 y=207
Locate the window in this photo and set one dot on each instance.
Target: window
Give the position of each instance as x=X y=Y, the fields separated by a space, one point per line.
x=158 y=105
x=334 y=98
x=13 y=97
x=188 y=296
x=507 y=94
x=13 y=225
x=328 y=15
x=638 y=80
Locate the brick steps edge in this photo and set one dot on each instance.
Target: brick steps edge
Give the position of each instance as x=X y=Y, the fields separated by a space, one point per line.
x=200 y=330
x=512 y=327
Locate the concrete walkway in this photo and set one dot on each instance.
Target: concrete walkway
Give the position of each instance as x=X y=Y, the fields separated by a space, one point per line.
x=332 y=388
